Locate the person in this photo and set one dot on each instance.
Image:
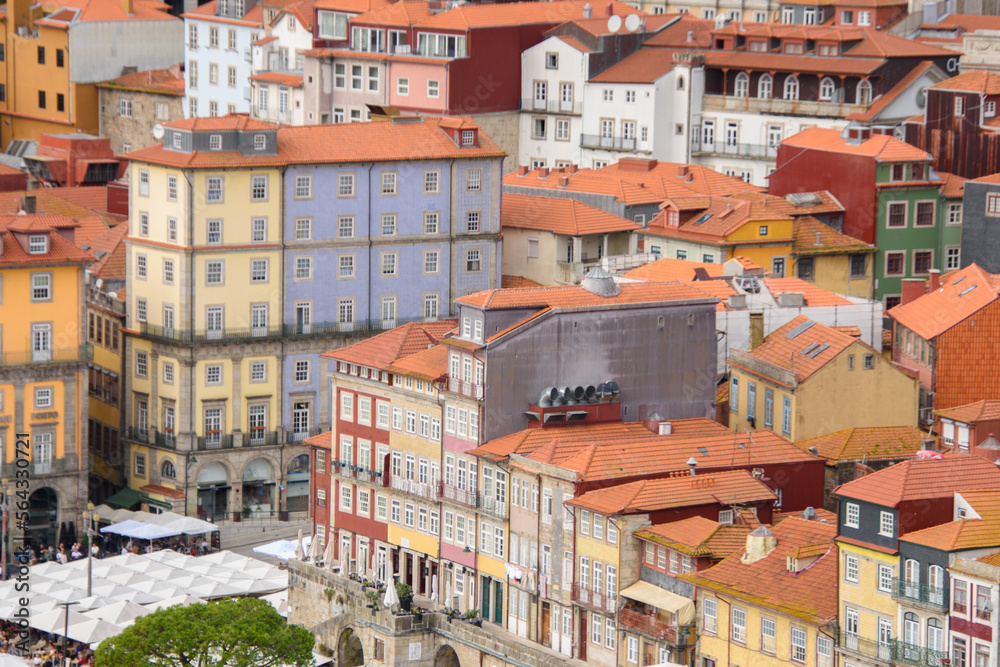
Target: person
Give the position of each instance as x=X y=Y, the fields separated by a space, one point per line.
x=61 y=557
x=125 y=550
x=75 y=552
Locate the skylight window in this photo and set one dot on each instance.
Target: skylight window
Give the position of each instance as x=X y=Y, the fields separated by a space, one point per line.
x=969 y=289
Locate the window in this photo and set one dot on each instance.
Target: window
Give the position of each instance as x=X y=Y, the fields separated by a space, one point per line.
x=125 y=108
x=472 y=221
x=140 y=309
x=389 y=263
x=431 y=219
x=922 y=261
x=925 y=214
x=302 y=371
x=851 y=565
x=739 y=625
x=345 y=226
x=983 y=606
x=768 y=407
x=346 y=266
x=345 y=185
x=734 y=395
x=472 y=260
x=258 y=188
x=41 y=286
x=895 y=263
x=768 y=643
x=786 y=417
x=798 y=645
x=632 y=650
x=853 y=512
x=213 y=189
x=303 y=268
x=141 y=366
x=886 y=524
x=827 y=89
x=432 y=181
x=792 y=87
x=432 y=88
x=959 y=105
x=213 y=272
x=710 y=614
x=402 y=86
x=742 y=88
x=140 y=266
x=764 y=86
x=431 y=263
x=847 y=17
x=952 y=257
x=140 y=465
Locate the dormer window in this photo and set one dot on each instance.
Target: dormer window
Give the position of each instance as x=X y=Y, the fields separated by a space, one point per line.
x=215 y=142
x=898 y=171
x=758 y=46
x=917 y=172
x=38 y=245
x=259 y=142
x=468 y=137
x=793 y=48
x=177 y=140
x=828 y=49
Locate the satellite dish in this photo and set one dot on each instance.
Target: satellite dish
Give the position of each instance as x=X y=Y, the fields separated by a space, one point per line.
x=632 y=22
x=614 y=23
x=157 y=131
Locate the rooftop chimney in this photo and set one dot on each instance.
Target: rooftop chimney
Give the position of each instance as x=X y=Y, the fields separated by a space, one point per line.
x=609 y=9
x=934 y=280
x=760 y=543
x=573 y=168
x=682 y=170
x=913 y=288
x=522 y=170
x=692 y=463
x=564 y=181
x=543 y=172
x=928 y=445
x=588 y=11
x=127 y=7
x=756 y=330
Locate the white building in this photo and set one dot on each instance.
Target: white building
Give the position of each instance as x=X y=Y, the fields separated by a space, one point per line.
x=278 y=59
x=217 y=52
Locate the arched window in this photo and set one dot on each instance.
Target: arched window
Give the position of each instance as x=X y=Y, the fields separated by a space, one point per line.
x=935 y=635
x=935 y=584
x=742 y=84
x=827 y=89
x=792 y=87
x=865 y=92
x=168 y=470
x=911 y=574
x=680 y=83
x=764 y=87
x=911 y=629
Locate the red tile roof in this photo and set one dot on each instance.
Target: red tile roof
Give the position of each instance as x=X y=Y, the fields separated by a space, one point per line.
x=413 y=139
x=322 y=440
x=111 y=264
x=517 y=282
x=922 y=479
x=973 y=412
x=162 y=490
x=586 y=181
x=812 y=237
x=667 y=269
x=698 y=536
x=61 y=251
x=575 y=296
x=882 y=101
x=882 y=147
x=301 y=10
x=598 y=25
x=675 y=35
x=575 y=43
x=663 y=177
x=870 y=443
x=968 y=533
x=953 y=187
x=643 y=66
x=466 y=17
x=560 y=215
x=429 y=365
x=233 y=121
x=790 y=354
x=779 y=62
x=812 y=295
x=169 y=81
x=733 y=487
x=103 y=11
x=810 y=594
x=382 y=350
x=280 y=78
x=961 y=294
x=397 y=14
x=352 y=6
x=827 y=202
x=972 y=81
x=37 y=222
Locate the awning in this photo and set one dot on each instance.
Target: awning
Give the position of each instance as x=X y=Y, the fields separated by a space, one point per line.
x=125 y=498
x=154 y=502
x=653 y=595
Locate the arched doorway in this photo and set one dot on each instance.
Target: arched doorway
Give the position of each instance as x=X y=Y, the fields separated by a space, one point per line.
x=213 y=491
x=258 y=488
x=43 y=518
x=350 y=653
x=446 y=657
x=297 y=489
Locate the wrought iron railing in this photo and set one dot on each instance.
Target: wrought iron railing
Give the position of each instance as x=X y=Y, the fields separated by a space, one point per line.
x=908 y=591
x=648 y=624
x=594 y=599
x=455 y=494
x=215 y=441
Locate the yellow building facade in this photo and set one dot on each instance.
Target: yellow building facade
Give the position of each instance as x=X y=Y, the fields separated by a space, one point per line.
x=866 y=609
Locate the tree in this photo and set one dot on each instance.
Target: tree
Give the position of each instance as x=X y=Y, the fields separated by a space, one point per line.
x=236 y=632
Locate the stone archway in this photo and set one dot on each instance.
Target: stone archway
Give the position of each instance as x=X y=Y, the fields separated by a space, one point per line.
x=297 y=484
x=258 y=488
x=446 y=657
x=350 y=652
x=213 y=491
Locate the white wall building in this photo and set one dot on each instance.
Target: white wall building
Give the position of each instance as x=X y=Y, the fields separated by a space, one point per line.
x=217 y=52
x=278 y=59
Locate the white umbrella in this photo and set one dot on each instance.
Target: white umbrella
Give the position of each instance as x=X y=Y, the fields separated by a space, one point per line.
x=8 y=660
x=328 y=556
x=54 y=620
x=92 y=630
x=118 y=612
x=127 y=577
x=314 y=548
x=95 y=602
x=67 y=593
x=391 y=596
x=228 y=557
x=183 y=600
x=434 y=589
x=343 y=561
x=299 y=552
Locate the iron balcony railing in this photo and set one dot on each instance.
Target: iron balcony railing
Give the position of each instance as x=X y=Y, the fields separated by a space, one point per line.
x=866 y=647
x=166 y=440
x=357 y=327
x=412 y=487
x=611 y=143
x=594 y=599
x=360 y=473
x=649 y=625
x=260 y=438
x=141 y=435
x=735 y=149
x=469 y=389
x=917 y=655
x=9 y=470
x=908 y=591
x=215 y=441
x=293 y=436
x=455 y=494
x=551 y=106
x=59 y=355
x=493 y=506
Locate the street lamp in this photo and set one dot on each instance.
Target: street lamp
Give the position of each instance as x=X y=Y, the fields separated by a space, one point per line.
x=91 y=517
x=66 y=629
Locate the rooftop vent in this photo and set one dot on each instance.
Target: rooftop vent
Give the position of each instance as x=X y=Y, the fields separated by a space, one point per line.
x=799 y=329
x=799 y=199
x=599 y=282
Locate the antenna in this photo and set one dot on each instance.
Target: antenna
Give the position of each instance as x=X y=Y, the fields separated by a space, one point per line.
x=614 y=23
x=157 y=131
x=632 y=22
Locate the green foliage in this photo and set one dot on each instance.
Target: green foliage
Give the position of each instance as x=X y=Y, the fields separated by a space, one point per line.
x=472 y=613
x=403 y=590
x=236 y=632
x=328 y=592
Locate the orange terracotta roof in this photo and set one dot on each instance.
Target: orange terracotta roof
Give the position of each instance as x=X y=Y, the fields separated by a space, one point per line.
x=89 y=197
x=103 y=11
x=322 y=440
x=961 y=294
x=827 y=203
x=869 y=443
x=560 y=215
x=207 y=12
x=991 y=559
x=598 y=25
x=597 y=460
x=415 y=139
x=972 y=81
x=882 y=147
x=429 y=365
x=806 y=352
x=110 y=265
x=575 y=296
x=953 y=186
x=810 y=594
x=6 y=170
x=162 y=490
x=386 y=348
x=667 y=269
x=922 y=479
x=301 y=10
x=968 y=533
x=575 y=43
x=352 y=6
x=61 y=251
x=663 y=177
x=882 y=101
x=37 y=222
x=280 y=78
x=233 y=121
x=517 y=282
x=169 y=81
x=973 y=412
x=966 y=22
x=812 y=237
x=726 y=215
x=532 y=439
x=675 y=34
x=880 y=44
x=733 y=487
x=466 y=17
x=398 y=14
x=643 y=66
x=813 y=295
x=779 y=62
x=720 y=289
x=586 y=181
x=698 y=536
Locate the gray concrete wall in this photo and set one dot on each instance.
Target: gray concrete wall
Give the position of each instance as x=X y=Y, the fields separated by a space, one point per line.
x=980 y=232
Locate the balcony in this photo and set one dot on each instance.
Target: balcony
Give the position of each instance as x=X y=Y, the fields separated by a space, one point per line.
x=59 y=355
x=260 y=438
x=292 y=436
x=906 y=591
x=357 y=327
x=753 y=151
x=608 y=143
x=455 y=494
x=165 y=440
x=493 y=506
x=910 y=654
x=215 y=441
x=595 y=599
x=140 y=435
x=648 y=625
x=732 y=103
x=469 y=389
x=573 y=108
x=360 y=473
x=412 y=487
x=866 y=647
x=9 y=470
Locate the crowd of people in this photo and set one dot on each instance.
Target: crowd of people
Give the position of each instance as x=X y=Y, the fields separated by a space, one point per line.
x=45 y=651
x=45 y=554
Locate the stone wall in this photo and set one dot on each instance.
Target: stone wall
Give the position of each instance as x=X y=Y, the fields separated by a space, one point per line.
x=137 y=130
x=503 y=129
